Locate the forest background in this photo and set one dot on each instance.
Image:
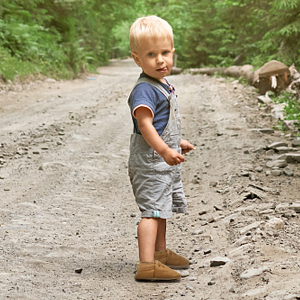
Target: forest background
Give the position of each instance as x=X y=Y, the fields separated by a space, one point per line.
x=63 y=38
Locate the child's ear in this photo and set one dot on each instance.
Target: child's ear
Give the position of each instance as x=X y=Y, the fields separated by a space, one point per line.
x=136 y=58
x=173 y=51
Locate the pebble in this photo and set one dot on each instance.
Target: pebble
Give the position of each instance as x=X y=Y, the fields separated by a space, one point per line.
x=274 y=224
x=253 y=272
x=207 y=251
x=185 y=273
x=196 y=232
x=78 y=270
x=276 y=145
x=288 y=171
x=219 y=261
x=198 y=249
x=250 y=227
x=218 y=207
x=276 y=172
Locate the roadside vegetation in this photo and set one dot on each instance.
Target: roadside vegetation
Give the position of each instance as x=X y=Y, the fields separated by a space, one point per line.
x=64 y=38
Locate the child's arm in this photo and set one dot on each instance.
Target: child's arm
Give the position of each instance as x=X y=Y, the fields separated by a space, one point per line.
x=145 y=122
x=186 y=146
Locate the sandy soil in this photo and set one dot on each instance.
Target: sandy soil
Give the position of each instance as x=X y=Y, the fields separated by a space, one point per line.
x=68 y=216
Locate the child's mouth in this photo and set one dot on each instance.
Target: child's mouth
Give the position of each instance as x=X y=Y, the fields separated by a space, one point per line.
x=162 y=69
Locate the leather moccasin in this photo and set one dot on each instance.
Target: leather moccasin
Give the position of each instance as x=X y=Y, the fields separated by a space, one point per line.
x=171 y=259
x=155 y=271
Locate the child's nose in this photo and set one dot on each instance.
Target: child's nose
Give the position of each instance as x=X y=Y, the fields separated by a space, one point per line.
x=159 y=58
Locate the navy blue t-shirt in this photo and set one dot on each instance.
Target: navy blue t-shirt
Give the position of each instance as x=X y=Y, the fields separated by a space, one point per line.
x=146 y=94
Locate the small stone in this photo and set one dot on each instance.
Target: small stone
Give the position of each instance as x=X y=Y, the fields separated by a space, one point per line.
x=288 y=171
x=213 y=184
x=292 y=157
x=296 y=143
x=259 y=169
x=193 y=278
x=276 y=172
x=198 y=249
x=275 y=224
x=203 y=212
x=133 y=215
x=78 y=270
x=296 y=207
x=232 y=289
x=253 y=272
x=36 y=152
x=196 y=232
x=218 y=207
x=207 y=251
x=211 y=282
x=219 y=261
x=277 y=144
x=6 y=189
x=185 y=273
x=266 y=130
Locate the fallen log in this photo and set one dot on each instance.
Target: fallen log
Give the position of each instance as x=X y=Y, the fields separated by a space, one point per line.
x=272 y=76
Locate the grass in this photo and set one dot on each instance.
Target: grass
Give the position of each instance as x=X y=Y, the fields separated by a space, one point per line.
x=291 y=109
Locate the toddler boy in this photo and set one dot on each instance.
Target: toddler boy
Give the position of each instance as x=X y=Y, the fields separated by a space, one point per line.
x=156 y=148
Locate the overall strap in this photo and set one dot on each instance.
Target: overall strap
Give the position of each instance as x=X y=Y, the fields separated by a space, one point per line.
x=153 y=83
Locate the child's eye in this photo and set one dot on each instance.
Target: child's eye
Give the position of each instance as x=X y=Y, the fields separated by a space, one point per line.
x=166 y=52
x=151 y=54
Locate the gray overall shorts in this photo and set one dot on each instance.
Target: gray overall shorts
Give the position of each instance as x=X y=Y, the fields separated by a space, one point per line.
x=157 y=186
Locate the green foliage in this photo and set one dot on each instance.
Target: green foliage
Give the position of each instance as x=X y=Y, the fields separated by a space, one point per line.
x=292 y=107
x=67 y=37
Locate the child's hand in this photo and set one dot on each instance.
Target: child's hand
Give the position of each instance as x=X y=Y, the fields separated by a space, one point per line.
x=172 y=157
x=186 y=146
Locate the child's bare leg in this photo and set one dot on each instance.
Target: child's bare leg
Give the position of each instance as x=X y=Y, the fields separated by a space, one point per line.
x=160 y=243
x=147 y=233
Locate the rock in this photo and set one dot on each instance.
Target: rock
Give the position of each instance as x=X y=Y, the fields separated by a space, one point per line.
x=50 y=80
x=296 y=207
x=250 y=227
x=289 y=125
x=284 y=149
x=212 y=282
x=292 y=157
x=296 y=143
x=259 y=169
x=288 y=171
x=219 y=261
x=239 y=251
x=276 y=172
x=266 y=130
x=276 y=163
x=213 y=183
x=276 y=145
x=274 y=224
x=207 y=251
x=264 y=99
x=282 y=207
x=253 y=272
x=266 y=212
x=198 y=249
x=185 y=273
x=196 y=232
x=78 y=270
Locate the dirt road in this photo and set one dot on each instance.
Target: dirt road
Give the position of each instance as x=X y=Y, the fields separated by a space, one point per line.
x=68 y=216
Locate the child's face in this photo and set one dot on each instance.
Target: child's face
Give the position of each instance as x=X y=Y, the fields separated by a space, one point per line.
x=155 y=57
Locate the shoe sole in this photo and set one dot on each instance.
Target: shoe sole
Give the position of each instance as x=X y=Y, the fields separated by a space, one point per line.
x=157 y=279
x=178 y=267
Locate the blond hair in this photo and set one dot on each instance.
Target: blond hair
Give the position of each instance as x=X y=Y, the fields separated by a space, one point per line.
x=150 y=27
